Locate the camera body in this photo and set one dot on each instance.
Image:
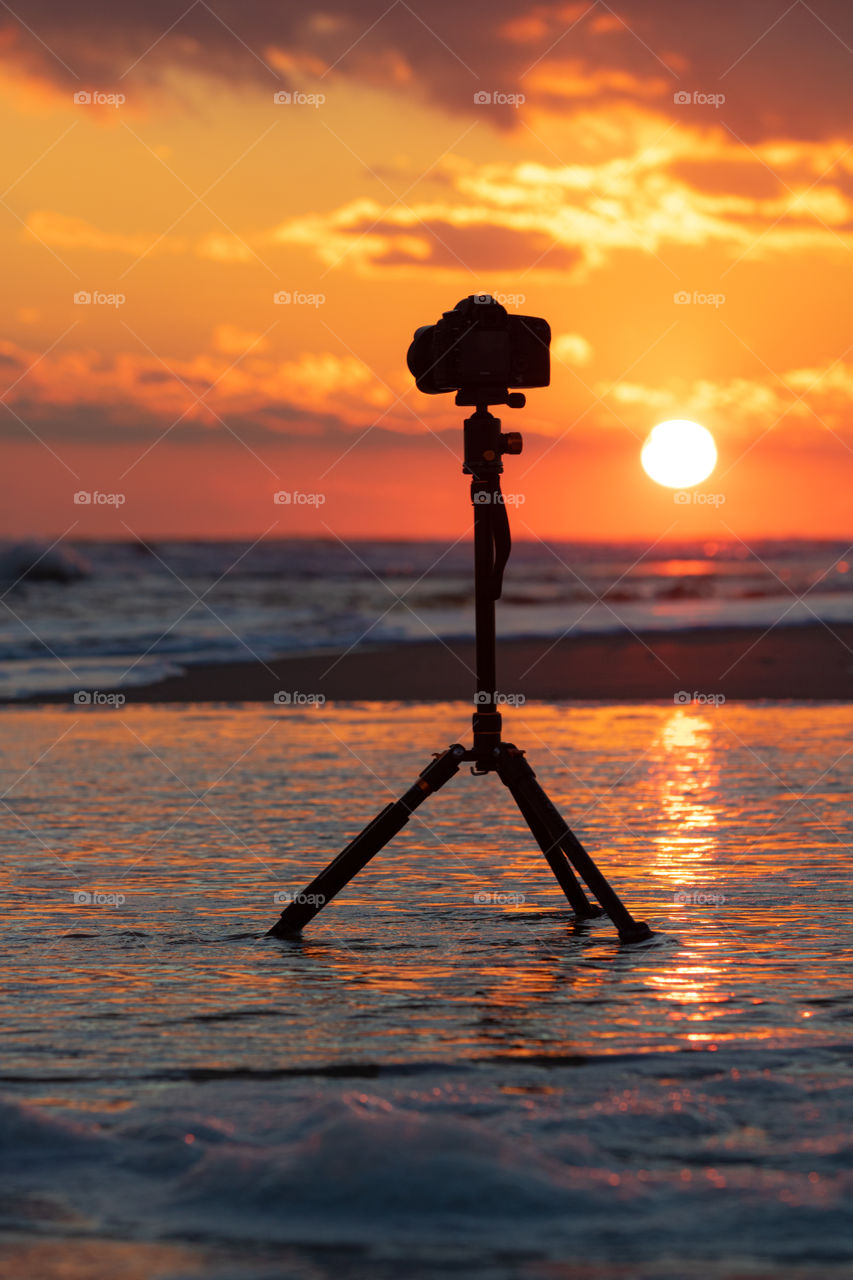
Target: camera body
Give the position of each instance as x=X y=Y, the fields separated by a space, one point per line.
x=480 y=350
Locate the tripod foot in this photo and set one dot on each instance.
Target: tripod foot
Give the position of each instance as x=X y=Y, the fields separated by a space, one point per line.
x=281 y=928
x=366 y=845
x=639 y=931
x=562 y=847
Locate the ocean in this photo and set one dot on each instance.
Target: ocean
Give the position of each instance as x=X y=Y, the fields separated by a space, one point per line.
x=444 y=1075
x=109 y=614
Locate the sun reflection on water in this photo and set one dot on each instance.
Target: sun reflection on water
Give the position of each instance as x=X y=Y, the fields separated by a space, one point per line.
x=674 y=802
x=686 y=773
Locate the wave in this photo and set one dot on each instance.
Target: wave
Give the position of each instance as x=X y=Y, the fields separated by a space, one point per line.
x=31 y=561
x=129 y=612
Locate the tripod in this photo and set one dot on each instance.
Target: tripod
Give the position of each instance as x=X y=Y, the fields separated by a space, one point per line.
x=485 y=444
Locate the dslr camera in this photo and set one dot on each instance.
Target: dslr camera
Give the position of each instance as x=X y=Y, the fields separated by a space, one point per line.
x=481 y=352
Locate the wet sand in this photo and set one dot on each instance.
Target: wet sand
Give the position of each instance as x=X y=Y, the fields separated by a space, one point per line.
x=735 y=663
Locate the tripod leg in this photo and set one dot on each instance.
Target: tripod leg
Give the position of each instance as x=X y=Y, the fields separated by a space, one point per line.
x=359 y=851
x=555 y=857
x=517 y=774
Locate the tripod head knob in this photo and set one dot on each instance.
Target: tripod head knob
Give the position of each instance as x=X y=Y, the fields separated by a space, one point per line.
x=511 y=442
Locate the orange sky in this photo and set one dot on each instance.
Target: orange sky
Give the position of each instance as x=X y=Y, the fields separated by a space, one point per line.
x=376 y=198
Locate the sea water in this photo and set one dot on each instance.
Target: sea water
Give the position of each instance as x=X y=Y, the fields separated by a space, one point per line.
x=444 y=1074
x=99 y=615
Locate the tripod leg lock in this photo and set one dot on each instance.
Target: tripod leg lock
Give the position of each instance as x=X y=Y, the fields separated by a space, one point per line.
x=514 y=764
x=441 y=770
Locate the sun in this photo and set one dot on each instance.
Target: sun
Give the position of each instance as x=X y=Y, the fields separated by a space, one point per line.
x=679 y=453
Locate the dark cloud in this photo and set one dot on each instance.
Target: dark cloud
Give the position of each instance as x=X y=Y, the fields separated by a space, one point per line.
x=130 y=423
x=479 y=247
x=154 y=376
x=722 y=177
x=784 y=68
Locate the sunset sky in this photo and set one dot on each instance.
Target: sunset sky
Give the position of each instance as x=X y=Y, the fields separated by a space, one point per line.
x=674 y=194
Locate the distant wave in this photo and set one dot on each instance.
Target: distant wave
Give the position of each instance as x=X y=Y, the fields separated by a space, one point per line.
x=32 y=561
x=138 y=610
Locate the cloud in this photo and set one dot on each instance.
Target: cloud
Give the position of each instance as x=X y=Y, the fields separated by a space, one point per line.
x=650 y=193
x=232 y=341
x=426 y=235
x=803 y=405
x=784 y=70
x=66 y=232
x=221 y=247
x=238 y=378
x=571 y=348
x=644 y=190
x=479 y=246
x=82 y=394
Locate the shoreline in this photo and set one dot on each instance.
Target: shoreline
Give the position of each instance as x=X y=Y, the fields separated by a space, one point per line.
x=798 y=662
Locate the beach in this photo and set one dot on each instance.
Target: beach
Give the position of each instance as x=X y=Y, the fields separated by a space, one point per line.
x=185 y=750
x=230 y=621
x=709 y=664
x=446 y=1073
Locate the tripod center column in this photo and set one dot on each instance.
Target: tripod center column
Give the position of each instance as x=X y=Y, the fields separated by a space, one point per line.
x=483 y=449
